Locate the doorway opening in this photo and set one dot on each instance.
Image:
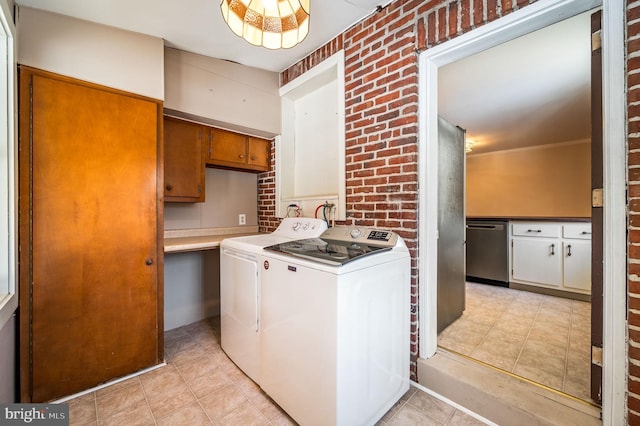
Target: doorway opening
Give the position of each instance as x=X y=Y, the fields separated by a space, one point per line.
x=526 y=107
x=529 y=19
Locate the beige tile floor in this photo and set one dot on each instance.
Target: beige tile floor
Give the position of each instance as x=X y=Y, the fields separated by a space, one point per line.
x=201 y=386
x=542 y=338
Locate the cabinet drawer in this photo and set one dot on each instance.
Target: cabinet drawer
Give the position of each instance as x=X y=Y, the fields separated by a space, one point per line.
x=580 y=231
x=546 y=230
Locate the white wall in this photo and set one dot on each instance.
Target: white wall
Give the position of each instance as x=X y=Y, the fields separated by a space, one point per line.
x=91 y=52
x=222 y=93
x=192 y=287
x=227 y=193
x=192 y=279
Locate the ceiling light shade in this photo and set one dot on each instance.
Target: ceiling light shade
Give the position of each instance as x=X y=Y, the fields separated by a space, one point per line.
x=468 y=145
x=274 y=24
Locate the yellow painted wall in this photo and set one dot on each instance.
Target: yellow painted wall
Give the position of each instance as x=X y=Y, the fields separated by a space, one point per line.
x=547 y=181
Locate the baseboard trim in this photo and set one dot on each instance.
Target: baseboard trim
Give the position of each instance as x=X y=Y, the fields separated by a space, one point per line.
x=112 y=382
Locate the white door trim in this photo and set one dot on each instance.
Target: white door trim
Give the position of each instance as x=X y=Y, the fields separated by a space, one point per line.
x=523 y=21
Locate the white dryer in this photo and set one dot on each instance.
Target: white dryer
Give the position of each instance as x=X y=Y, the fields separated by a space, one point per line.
x=240 y=288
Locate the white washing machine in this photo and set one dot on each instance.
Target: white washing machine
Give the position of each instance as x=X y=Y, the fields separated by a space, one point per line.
x=335 y=325
x=240 y=288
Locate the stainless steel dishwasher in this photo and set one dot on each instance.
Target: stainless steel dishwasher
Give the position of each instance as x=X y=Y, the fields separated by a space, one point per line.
x=487 y=256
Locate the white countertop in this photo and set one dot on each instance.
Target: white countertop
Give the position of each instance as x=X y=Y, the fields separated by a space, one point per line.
x=182 y=240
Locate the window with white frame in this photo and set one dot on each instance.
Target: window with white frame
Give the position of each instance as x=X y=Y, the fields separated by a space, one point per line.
x=8 y=152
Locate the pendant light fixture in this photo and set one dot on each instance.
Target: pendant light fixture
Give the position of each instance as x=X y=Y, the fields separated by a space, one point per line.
x=274 y=24
x=468 y=145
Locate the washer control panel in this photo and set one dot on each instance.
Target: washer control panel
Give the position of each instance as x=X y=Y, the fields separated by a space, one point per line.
x=360 y=234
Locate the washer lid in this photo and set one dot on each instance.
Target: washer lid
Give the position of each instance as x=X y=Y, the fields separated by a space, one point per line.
x=331 y=252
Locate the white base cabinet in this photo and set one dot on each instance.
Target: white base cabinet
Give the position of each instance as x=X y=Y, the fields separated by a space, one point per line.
x=536 y=260
x=552 y=254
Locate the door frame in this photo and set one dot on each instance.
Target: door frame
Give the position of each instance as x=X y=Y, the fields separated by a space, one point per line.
x=518 y=23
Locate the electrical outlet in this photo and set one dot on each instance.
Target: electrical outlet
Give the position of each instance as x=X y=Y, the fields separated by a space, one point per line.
x=242 y=219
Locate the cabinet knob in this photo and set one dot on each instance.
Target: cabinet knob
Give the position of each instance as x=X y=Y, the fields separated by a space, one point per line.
x=149 y=262
x=241 y=156
x=253 y=158
x=168 y=187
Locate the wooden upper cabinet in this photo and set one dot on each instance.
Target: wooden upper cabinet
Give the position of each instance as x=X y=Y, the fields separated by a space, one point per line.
x=184 y=177
x=259 y=153
x=190 y=147
x=237 y=151
x=227 y=148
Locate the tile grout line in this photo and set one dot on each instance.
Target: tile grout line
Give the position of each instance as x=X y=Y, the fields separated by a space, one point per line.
x=566 y=353
x=146 y=400
x=213 y=422
x=397 y=411
x=232 y=383
x=526 y=339
x=251 y=401
x=484 y=338
x=191 y=390
x=95 y=407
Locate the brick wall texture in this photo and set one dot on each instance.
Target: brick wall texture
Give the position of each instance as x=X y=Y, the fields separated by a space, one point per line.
x=381 y=98
x=633 y=141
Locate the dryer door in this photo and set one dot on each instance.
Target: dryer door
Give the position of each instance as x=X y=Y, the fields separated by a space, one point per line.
x=239 y=291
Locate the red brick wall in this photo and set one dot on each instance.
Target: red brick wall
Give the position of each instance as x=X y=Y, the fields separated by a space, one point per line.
x=633 y=138
x=381 y=79
x=267 y=220
x=381 y=100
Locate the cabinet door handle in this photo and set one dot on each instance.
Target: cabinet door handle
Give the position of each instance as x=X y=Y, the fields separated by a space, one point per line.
x=553 y=249
x=534 y=230
x=569 y=250
x=586 y=233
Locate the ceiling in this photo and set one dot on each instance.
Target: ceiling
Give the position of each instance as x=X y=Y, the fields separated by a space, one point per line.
x=197 y=26
x=534 y=90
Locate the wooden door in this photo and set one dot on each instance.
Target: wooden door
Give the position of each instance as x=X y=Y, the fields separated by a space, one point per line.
x=184 y=175
x=596 y=210
x=89 y=169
